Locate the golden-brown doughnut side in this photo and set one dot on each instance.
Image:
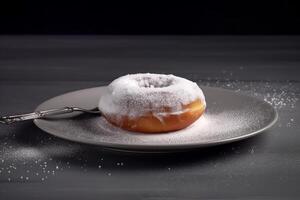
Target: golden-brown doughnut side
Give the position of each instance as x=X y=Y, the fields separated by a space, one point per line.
x=150 y=123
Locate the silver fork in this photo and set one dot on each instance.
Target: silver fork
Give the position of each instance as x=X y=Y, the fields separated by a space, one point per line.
x=45 y=113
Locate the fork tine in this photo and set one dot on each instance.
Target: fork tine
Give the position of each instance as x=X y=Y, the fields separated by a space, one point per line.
x=3 y=121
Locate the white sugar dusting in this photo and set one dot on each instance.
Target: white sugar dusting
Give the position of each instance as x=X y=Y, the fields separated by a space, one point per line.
x=27 y=153
x=210 y=127
x=136 y=94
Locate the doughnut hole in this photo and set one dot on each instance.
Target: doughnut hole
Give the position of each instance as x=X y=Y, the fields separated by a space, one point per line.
x=154 y=82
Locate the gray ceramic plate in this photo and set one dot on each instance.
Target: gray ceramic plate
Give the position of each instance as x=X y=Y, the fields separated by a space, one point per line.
x=229 y=117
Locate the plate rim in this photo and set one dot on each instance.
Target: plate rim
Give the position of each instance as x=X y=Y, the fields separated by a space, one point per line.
x=161 y=146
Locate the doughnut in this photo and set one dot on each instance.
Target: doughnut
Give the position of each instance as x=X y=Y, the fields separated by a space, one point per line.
x=152 y=103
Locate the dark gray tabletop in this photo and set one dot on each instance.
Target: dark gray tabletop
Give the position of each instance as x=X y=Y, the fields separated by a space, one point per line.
x=35 y=165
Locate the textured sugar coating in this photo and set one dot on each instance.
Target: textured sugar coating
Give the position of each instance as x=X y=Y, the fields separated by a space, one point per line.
x=135 y=95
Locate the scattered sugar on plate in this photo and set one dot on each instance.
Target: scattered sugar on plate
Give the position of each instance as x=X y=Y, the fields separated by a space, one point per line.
x=35 y=163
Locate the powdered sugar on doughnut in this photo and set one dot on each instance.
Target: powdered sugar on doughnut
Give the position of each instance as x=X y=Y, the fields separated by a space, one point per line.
x=136 y=94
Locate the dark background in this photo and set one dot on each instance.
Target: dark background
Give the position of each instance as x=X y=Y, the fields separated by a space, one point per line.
x=251 y=48
x=206 y=17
